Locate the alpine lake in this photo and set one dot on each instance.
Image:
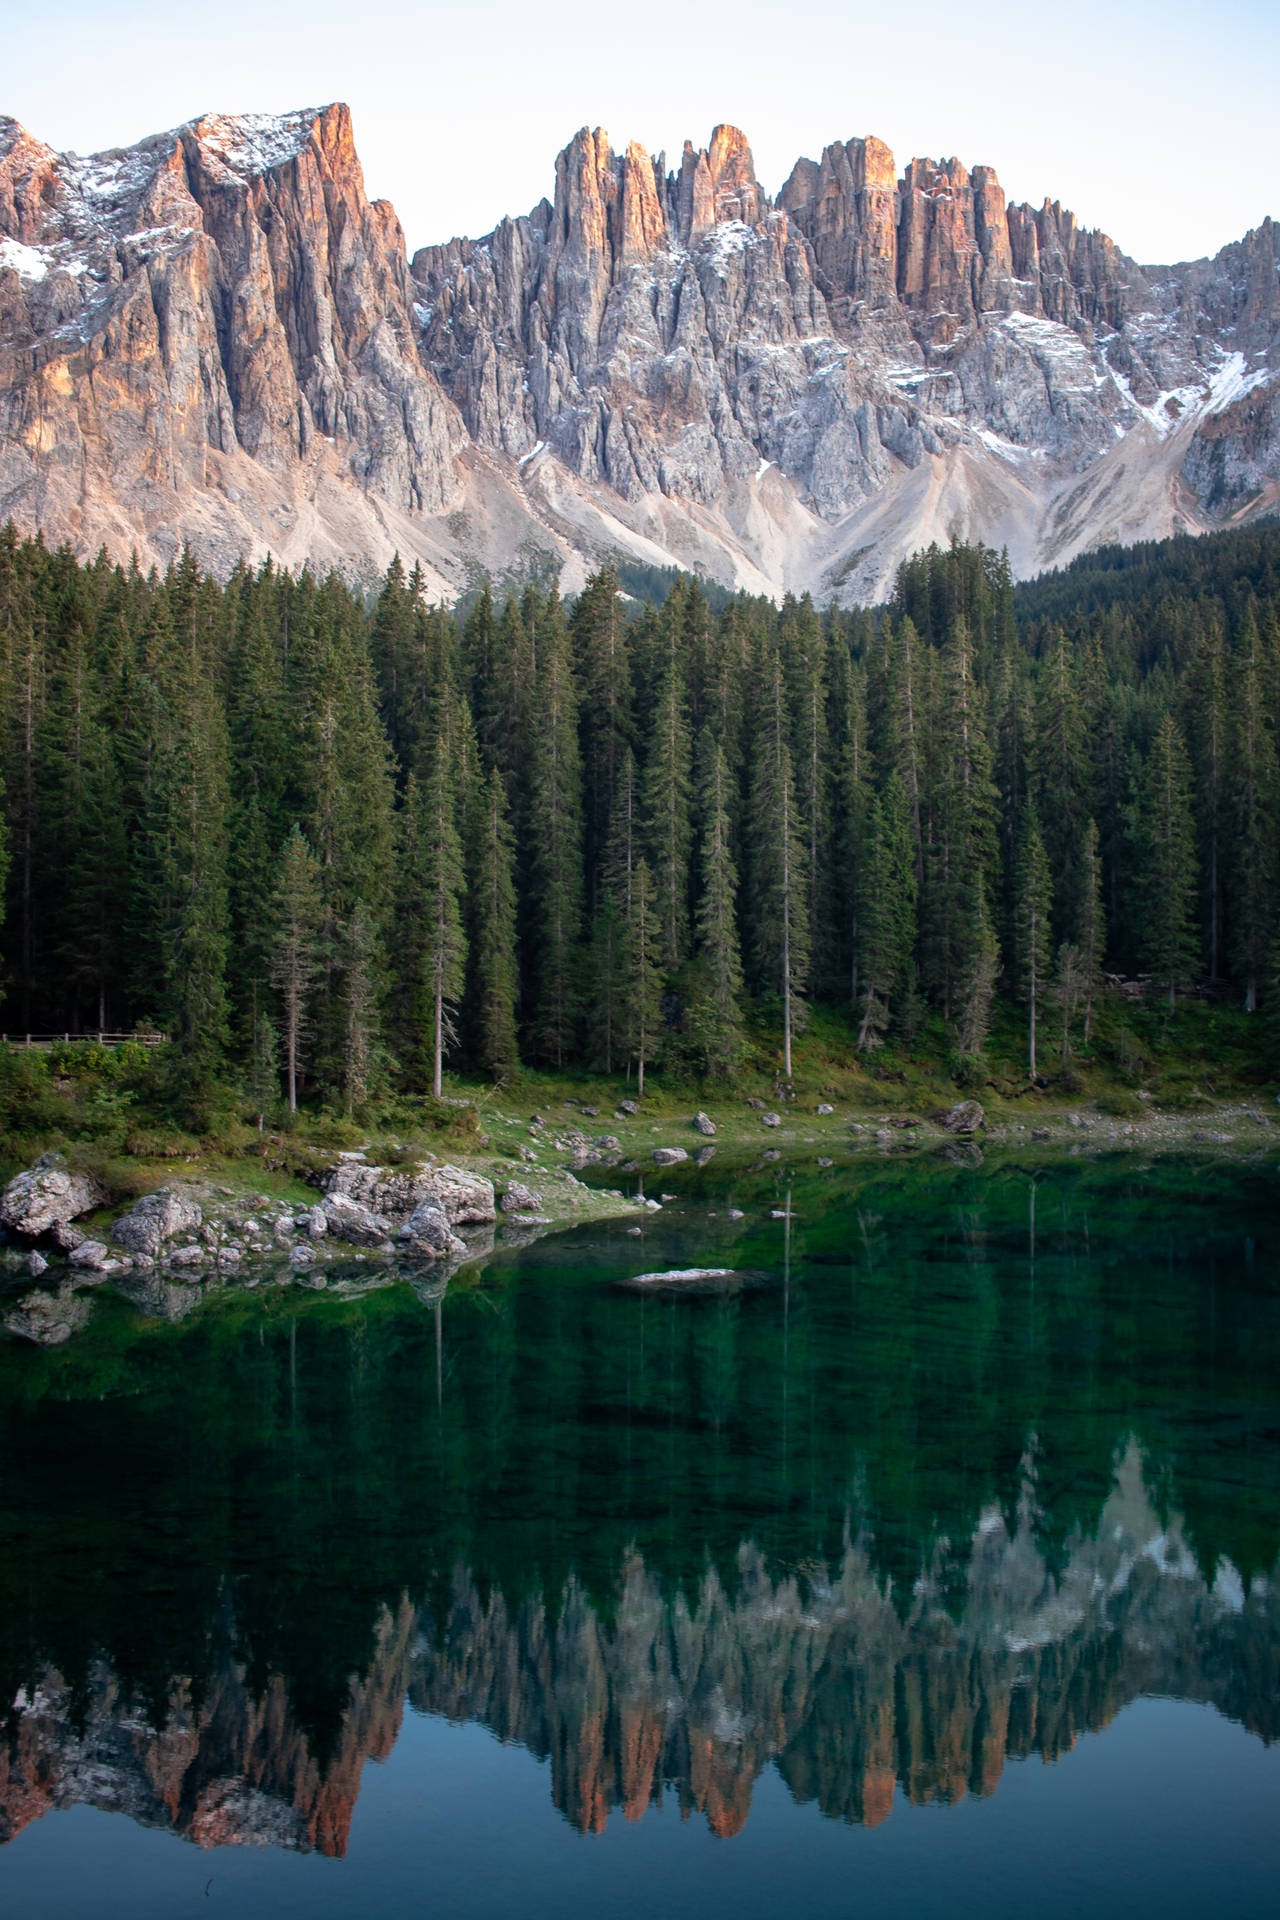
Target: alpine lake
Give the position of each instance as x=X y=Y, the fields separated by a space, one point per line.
x=927 y=1561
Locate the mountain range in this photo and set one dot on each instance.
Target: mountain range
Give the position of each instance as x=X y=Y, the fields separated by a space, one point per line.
x=215 y=339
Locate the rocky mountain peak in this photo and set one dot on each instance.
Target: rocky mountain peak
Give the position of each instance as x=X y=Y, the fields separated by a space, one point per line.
x=215 y=336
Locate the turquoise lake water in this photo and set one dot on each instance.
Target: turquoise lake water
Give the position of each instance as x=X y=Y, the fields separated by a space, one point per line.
x=932 y=1566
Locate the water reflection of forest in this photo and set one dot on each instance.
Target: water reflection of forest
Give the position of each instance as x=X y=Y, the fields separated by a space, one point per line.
x=849 y=1689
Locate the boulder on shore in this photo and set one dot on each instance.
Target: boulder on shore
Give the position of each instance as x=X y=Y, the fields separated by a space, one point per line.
x=348 y=1219
x=703 y=1123
x=965 y=1117
x=46 y=1197
x=466 y=1198
x=521 y=1199
x=427 y=1235
x=156 y=1219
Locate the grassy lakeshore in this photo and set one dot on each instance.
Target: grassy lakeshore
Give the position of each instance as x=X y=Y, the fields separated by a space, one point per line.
x=1150 y=1082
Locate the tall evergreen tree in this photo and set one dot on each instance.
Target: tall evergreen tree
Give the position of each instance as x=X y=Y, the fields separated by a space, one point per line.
x=715 y=1018
x=445 y=946
x=1089 y=931
x=1254 y=806
x=1033 y=903
x=780 y=888
x=887 y=924
x=493 y=936
x=555 y=828
x=643 y=975
x=1167 y=862
x=295 y=916
x=668 y=816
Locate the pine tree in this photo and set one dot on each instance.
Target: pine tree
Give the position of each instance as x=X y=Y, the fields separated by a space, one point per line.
x=962 y=862
x=555 y=834
x=979 y=965
x=359 y=960
x=851 y=824
x=643 y=975
x=1089 y=930
x=1254 y=803
x=444 y=955
x=1206 y=728
x=1167 y=862
x=264 y=1079
x=296 y=910
x=780 y=890
x=1060 y=767
x=887 y=925
x=493 y=937
x=668 y=821
x=603 y=670
x=1033 y=903
x=715 y=1018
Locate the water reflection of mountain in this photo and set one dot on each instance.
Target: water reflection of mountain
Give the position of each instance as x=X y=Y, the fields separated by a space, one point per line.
x=849 y=1689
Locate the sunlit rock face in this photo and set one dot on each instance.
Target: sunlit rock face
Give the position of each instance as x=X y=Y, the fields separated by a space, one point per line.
x=850 y=1690
x=215 y=337
x=201 y=333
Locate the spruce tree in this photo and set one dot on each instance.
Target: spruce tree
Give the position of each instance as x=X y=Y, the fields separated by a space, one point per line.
x=444 y=946
x=1089 y=930
x=1033 y=904
x=643 y=975
x=1207 y=728
x=1254 y=784
x=555 y=836
x=715 y=1019
x=493 y=935
x=295 y=916
x=887 y=923
x=668 y=818
x=264 y=1077
x=779 y=880
x=1167 y=863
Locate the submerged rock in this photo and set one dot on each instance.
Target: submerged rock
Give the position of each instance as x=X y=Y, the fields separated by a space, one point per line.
x=668 y=1156
x=696 y=1280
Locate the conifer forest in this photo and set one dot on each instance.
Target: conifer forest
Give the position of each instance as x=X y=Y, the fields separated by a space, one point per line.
x=330 y=842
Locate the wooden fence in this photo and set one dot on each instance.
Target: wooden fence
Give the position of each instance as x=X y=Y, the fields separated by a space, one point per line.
x=47 y=1040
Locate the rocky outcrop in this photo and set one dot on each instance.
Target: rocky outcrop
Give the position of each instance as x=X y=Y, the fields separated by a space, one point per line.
x=349 y=1219
x=517 y=1198
x=155 y=1220
x=45 y=1198
x=466 y=1199
x=426 y=1234
x=215 y=337
x=204 y=332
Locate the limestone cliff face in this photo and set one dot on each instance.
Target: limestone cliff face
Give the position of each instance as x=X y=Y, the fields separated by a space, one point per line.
x=215 y=337
x=223 y=291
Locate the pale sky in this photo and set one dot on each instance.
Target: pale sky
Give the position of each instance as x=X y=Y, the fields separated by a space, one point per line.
x=1157 y=123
